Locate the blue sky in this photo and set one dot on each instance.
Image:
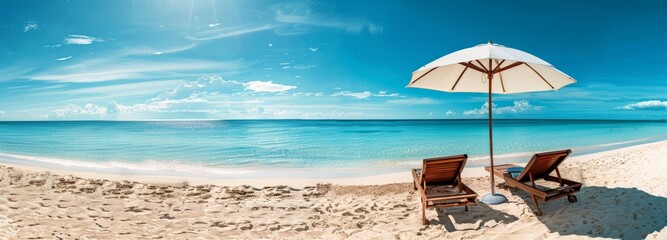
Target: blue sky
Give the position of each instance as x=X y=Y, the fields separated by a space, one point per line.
x=125 y=60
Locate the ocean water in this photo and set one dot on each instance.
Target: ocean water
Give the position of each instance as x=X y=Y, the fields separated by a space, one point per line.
x=228 y=148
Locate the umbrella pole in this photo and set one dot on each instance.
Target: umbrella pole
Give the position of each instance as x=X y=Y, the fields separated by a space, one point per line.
x=493 y=189
x=492 y=198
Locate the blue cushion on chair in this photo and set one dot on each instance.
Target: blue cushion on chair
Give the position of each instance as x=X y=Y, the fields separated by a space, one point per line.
x=515 y=171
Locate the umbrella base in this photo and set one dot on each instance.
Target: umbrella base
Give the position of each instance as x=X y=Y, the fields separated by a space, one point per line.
x=493 y=199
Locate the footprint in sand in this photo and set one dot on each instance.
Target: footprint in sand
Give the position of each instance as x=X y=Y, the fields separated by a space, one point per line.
x=37 y=182
x=200 y=224
x=274 y=227
x=319 y=224
x=136 y=209
x=302 y=227
x=361 y=210
x=245 y=226
x=399 y=206
x=88 y=189
x=219 y=224
x=318 y=210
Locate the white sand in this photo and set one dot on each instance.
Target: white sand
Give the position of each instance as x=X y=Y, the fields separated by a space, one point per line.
x=624 y=196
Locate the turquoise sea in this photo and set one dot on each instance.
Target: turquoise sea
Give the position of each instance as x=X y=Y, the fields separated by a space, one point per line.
x=228 y=149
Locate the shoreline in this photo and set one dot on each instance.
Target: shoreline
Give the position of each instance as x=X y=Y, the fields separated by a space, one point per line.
x=303 y=180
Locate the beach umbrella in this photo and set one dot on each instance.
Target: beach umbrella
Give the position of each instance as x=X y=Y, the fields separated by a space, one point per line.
x=490 y=68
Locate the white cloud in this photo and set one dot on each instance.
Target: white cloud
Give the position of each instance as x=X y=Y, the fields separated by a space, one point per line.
x=197 y=111
x=270 y=112
x=194 y=98
x=414 y=101
x=260 y=86
x=519 y=106
x=208 y=84
x=211 y=97
x=195 y=95
x=313 y=49
x=645 y=105
x=186 y=97
x=31 y=25
x=63 y=58
x=81 y=40
x=357 y=95
x=213 y=24
x=141 y=107
x=385 y=94
x=318 y=94
x=155 y=105
x=71 y=110
x=364 y=94
x=2 y=112
x=450 y=113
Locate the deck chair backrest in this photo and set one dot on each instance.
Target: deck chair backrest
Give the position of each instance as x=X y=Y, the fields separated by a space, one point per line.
x=542 y=164
x=443 y=170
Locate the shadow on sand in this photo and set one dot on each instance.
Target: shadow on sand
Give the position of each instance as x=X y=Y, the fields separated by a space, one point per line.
x=625 y=213
x=478 y=216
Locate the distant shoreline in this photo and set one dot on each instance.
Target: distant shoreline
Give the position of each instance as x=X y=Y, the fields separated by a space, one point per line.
x=370 y=119
x=268 y=176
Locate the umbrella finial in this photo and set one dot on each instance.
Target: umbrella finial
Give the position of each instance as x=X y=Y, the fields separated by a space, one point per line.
x=490 y=42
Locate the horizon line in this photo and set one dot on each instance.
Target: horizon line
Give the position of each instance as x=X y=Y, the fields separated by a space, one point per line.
x=327 y=119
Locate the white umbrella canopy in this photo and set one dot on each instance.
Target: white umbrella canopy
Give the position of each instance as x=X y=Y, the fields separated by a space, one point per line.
x=466 y=70
x=490 y=68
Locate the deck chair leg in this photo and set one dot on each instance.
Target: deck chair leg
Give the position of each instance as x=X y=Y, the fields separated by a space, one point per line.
x=424 y=215
x=538 y=211
x=423 y=211
x=466 y=208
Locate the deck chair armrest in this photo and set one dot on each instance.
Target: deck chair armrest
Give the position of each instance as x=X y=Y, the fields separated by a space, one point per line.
x=452 y=197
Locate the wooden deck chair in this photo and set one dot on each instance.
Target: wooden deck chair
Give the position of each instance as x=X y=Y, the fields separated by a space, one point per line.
x=539 y=167
x=439 y=183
